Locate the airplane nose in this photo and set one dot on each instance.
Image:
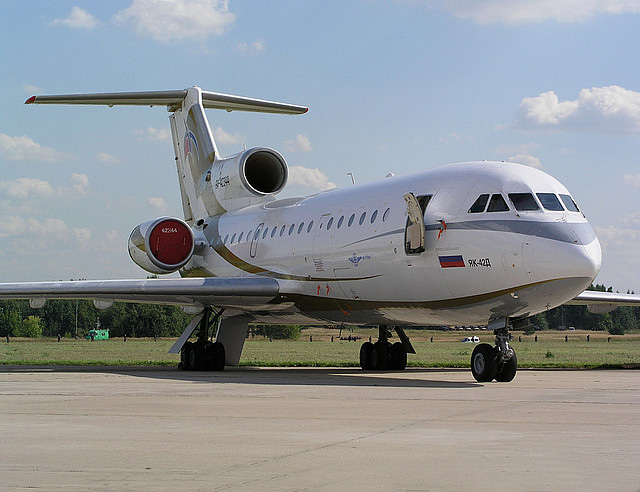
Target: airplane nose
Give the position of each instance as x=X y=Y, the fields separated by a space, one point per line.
x=589 y=259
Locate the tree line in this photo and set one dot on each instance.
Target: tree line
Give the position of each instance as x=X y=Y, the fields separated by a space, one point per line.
x=76 y=317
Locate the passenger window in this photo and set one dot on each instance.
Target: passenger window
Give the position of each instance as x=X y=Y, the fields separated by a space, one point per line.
x=340 y=221
x=550 y=202
x=300 y=227
x=309 y=227
x=524 y=202
x=240 y=237
x=374 y=215
x=385 y=216
x=226 y=238
x=364 y=214
x=497 y=204
x=282 y=230
x=293 y=226
x=353 y=216
x=330 y=223
x=264 y=234
x=479 y=205
x=569 y=203
x=233 y=238
x=273 y=232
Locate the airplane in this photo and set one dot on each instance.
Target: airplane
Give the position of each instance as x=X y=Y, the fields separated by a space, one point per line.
x=473 y=243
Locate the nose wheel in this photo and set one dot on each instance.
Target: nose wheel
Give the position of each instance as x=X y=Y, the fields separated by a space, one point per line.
x=497 y=362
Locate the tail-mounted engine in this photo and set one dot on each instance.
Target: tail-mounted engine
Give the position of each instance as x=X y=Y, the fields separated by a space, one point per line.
x=248 y=178
x=162 y=245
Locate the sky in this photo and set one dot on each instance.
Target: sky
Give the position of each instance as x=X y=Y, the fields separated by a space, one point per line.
x=391 y=86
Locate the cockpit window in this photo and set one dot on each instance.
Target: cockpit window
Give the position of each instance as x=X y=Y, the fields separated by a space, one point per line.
x=479 y=204
x=550 y=202
x=497 y=204
x=569 y=203
x=523 y=202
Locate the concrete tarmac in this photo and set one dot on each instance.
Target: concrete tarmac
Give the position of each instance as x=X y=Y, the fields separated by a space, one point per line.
x=317 y=429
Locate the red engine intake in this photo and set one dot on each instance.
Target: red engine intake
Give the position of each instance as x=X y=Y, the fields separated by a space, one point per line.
x=162 y=245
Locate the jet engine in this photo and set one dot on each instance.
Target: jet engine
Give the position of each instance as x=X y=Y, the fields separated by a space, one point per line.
x=162 y=245
x=248 y=178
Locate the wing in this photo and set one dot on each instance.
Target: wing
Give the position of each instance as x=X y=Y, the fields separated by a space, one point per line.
x=235 y=292
x=604 y=302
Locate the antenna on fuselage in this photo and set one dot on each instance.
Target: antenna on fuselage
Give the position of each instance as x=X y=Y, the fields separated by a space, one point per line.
x=353 y=180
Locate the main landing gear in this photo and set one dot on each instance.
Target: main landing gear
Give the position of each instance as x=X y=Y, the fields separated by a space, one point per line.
x=383 y=355
x=203 y=354
x=497 y=362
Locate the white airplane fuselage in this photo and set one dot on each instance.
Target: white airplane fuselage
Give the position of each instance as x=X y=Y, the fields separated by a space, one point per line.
x=340 y=256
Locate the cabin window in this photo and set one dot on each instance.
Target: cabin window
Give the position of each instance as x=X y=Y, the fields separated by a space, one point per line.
x=309 y=227
x=374 y=216
x=569 y=203
x=480 y=204
x=233 y=238
x=385 y=216
x=340 y=221
x=300 y=227
x=362 y=217
x=550 y=202
x=226 y=238
x=273 y=231
x=264 y=234
x=524 y=202
x=497 y=204
x=353 y=216
x=240 y=237
x=293 y=226
x=282 y=230
x=330 y=223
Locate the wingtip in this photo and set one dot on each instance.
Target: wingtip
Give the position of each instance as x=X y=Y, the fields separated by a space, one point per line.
x=31 y=100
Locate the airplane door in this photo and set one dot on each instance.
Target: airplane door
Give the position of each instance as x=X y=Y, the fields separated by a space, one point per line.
x=414 y=233
x=254 y=241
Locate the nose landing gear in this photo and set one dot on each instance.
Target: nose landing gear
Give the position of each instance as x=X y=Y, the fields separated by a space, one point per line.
x=497 y=362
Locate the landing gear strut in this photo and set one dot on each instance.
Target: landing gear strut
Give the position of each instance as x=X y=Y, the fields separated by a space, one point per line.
x=203 y=354
x=382 y=354
x=497 y=362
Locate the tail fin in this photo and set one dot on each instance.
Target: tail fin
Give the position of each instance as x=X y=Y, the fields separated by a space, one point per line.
x=194 y=146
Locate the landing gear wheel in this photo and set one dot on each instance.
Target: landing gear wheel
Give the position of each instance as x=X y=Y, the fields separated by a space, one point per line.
x=380 y=356
x=197 y=357
x=483 y=363
x=398 y=356
x=215 y=356
x=507 y=370
x=185 y=356
x=366 y=356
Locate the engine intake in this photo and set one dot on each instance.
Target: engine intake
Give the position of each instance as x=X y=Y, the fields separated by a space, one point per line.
x=162 y=245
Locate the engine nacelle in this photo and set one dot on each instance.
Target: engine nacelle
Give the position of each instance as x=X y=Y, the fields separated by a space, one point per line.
x=162 y=245
x=248 y=178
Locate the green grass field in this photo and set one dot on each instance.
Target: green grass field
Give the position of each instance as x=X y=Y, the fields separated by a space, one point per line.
x=446 y=350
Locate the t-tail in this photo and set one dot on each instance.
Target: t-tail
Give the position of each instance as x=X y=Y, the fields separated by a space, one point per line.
x=209 y=183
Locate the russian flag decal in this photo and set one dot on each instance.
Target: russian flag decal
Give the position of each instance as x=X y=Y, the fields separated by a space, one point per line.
x=451 y=261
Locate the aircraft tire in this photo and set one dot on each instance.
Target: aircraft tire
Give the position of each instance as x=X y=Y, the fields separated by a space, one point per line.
x=380 y=355
x=185 y=356
x=398 y=357
x=507 y=370
x=483 y=363
x=366 y=356
x=217 y=357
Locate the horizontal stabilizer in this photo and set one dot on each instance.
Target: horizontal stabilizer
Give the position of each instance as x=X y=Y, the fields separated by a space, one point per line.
x=171 y=99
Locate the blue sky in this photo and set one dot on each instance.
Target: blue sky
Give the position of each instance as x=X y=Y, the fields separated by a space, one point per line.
x=392 y=86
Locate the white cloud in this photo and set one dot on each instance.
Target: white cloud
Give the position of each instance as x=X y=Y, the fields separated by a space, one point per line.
x=32 y=89
x=171 y=20
x=33 y=188
x=632 y=179
x=610 y=110
x=24 y=188
x=227 y=138
x=154 y=134
x=455 y=137
x=106 y=158
x=158 y=203
x=77 y=19
x=309 y=178
x=15 y=226
x=298 y=144
x=526 y=159
x=82 y=235
x=520 y=12
x=255 y=48
x=25 y=149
